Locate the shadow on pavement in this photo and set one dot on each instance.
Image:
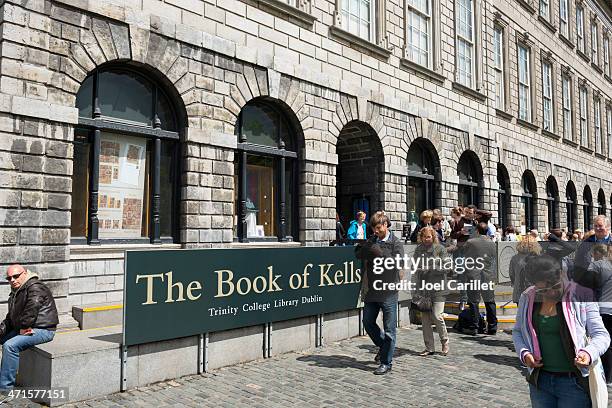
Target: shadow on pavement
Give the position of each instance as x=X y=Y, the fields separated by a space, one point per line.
x=510 y=361
x=338 y=361
x=490 y=341
x=399 y=351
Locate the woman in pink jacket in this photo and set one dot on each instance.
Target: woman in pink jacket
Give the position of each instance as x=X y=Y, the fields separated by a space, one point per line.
x=554 y=319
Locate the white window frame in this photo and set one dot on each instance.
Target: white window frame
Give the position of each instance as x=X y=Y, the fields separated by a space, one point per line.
x=594 y=44
x=597 y=117
x=609 y=129
x=548 y=119
x=606 y=55
x=498 y=67
x=524 y=86
x=468 y=44
x=567 y=107
x=580 y=40
x=564 y=18
x=346 y=15
x=410 y=47
x=584 y=116
x=545 y=9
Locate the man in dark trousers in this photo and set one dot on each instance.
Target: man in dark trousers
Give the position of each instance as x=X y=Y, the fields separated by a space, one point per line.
x=386 y=245
x=481 y=246
x=31 y=320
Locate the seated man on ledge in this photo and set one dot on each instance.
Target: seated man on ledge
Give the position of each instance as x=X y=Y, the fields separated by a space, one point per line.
x=31 y=320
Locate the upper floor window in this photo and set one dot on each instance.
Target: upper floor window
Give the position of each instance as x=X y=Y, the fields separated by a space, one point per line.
x=545 y=9
x=358 y=18
x=609 y=129
x=498 y=67
x=594 y=44
x=126 y=151
x=465 y=43
x=564 y=17
x=567 y=108
x=580 y=40
x=547 y=96
x=524 y=83
x=597 y=117
x=606 y=55
x=419 y=32
x=584 y=119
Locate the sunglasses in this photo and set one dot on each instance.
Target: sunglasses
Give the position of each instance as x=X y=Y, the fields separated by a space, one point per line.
x=14 y=277
x=554 y=287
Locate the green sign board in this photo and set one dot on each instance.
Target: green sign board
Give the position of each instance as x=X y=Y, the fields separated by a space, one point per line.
x=176 y=293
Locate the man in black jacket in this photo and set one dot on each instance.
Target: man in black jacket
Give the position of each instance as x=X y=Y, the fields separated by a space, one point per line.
x=31 y=320
x=375 y=294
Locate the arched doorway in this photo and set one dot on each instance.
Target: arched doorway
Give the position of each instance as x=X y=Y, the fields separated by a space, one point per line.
x=552 y=202
x=359 y=173
x=587 y=207
x=503 y=195
x=266 y=173
x=126 y=174
x=601 y=202
x=470 y=175
x=529 y=198
x=571 y=206
x=423 y=177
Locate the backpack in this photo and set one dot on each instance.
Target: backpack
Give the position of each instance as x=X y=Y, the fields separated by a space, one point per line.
x=465 y=318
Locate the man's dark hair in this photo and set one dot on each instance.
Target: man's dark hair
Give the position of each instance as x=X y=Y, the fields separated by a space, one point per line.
x=542 y=268
x=472 y=207
x=556 y=232
x=482 y=228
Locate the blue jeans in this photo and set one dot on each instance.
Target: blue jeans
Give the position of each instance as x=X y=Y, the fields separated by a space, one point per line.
x=383 y=339
x=12 y=344
x=558 y=392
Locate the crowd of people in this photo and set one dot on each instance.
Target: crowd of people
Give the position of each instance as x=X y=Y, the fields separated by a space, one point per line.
x=562 y=285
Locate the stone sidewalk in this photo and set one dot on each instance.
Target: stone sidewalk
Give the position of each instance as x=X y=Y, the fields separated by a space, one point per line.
x=480 y=371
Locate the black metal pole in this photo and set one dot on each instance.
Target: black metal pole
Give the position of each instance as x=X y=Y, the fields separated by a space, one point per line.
x=93 y=193
x=156 y=196
x=242 y=223
x=283 y=216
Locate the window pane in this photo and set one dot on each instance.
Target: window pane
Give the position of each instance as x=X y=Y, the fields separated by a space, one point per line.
x=259 y=125
x=84 y=98
x=123 y=186
x=261 y=196
x=289 y=196
x=165 y=113
x=80 y=184
x=167 y=183
x=125 y=96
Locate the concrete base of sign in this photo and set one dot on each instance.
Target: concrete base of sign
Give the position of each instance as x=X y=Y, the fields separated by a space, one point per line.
x=340 y=325
x=235 y=346
x=293 y=335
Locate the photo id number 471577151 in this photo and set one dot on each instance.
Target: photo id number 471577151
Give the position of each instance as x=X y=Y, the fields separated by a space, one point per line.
x=56 y=394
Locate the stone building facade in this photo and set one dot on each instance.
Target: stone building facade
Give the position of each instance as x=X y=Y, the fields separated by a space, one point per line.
x=481 y=98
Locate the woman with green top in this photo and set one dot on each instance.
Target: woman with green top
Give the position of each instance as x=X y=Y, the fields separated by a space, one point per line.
x=554 y=319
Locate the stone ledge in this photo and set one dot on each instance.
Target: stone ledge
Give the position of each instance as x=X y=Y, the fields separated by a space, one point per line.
x=359 y=42
x=89 y=252
x=429 y=73
x=469 y=91
x=289 y=11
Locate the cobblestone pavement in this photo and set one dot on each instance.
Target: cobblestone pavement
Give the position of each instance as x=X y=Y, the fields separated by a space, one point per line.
x=480 y=371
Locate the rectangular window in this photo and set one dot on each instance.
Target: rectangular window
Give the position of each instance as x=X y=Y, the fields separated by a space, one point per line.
x=594 y=45
x=358 y=18
x=524 y=84
x=419 y=30
x=545 y=9
x=606 y=55
x=567 y=108
x=564 y=17
x=598 y=139
x=498 y=67
x=580 y=28
x=584 y=122
x=609 y=130
x=547 y=97
x=465 y=42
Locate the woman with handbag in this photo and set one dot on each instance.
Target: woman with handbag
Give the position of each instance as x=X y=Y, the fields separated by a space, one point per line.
x=560 y=337
x=431 y=288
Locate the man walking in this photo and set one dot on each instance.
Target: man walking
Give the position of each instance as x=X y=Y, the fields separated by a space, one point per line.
x=31 y=320
x=481 y=247
x=374 y=294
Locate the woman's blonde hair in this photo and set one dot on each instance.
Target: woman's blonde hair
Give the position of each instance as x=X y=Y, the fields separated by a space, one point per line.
x=426 y=230
x=529 y=245
x=426 y=214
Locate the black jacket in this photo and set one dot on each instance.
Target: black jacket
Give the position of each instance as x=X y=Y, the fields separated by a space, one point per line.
x=371 y=249
x=30 y=306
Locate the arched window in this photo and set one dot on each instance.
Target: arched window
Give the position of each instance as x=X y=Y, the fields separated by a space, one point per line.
x=587 y=207
x=571 y=203
x=470 y=179
x=552 y=202
x=601 y=202
x=529 y=199
x=503 y=195
x=421 y=178
x=125 y=174
x=266 y=171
